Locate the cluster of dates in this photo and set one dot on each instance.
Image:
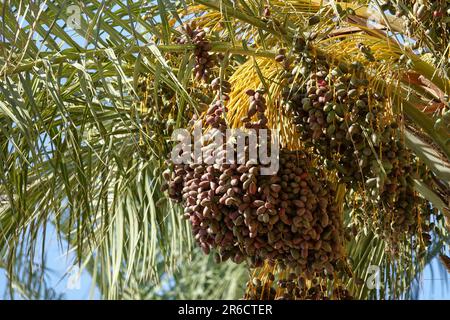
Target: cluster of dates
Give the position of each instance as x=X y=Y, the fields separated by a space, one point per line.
x=338 y=115
x=292 y=287
x=289 y=216
x=204 y=60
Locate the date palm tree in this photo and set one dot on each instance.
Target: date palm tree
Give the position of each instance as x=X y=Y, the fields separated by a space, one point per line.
x=90 y=92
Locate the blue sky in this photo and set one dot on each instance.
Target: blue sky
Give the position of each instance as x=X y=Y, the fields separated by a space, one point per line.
x=433 y=286
x=60 y=279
